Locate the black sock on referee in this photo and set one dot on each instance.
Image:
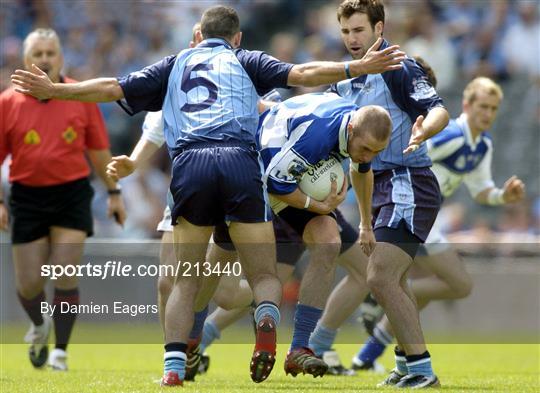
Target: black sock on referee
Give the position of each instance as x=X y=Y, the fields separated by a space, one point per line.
x=33 y=307
x=63 y=322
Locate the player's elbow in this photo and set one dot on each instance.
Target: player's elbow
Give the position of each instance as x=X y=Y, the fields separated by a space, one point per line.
x=443 y=117
x=113 y=91
x=301 y=75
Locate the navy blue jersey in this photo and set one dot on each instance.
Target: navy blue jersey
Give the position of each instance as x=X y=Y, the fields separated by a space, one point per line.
x=405 y=94
x=208 y=93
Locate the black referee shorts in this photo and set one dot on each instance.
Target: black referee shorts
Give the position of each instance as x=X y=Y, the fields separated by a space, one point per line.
x=35 y=209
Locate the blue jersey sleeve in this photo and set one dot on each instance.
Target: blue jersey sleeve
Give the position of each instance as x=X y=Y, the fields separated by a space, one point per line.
x=266 y=72
x=411 y=89
x=146 y=89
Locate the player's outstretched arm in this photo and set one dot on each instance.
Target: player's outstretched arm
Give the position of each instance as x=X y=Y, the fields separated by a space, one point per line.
x=362 y=184
x=319 y=73
x=512 y=191
x=38 y=84
x=425 y=128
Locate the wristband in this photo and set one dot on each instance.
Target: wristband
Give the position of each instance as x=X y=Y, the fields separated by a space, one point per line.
x=308 y=201
x=348 y=71
x=495 y=197
x=116 y=191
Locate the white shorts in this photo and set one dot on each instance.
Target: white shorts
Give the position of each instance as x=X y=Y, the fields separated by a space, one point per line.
x=165 y=223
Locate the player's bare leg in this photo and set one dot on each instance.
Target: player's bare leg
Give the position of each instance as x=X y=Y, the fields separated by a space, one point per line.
x=27 y=261
x=350 y=291
x=165 y=281
x=450 y=279
x=342 y=302
x=256 y=248
x=191 y=243
x=322 y=238
x=386 y=274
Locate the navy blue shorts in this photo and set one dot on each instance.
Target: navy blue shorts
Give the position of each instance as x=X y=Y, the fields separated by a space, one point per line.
x=289 y=243
x=410 y=195
x=217 y=182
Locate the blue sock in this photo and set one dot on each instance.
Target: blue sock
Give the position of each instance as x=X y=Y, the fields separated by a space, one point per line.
x=401 y=361
x=198 y=324
x=420 y=364
x=210 y=333
x=267 y=309
x=175 y=359
x=374 y=346
x=321 y=339
x=371 y=350
x=305 y=320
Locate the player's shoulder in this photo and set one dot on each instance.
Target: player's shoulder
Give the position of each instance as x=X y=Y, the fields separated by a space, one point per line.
x=249 y=55
x=451 y=132
x=409 y=67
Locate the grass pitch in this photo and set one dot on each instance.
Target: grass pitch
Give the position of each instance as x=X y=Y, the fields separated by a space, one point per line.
x=136 y=369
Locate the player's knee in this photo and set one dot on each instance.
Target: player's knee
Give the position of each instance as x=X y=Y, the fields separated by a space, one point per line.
x=463 y=288
x=325 y=245
x=379 y=280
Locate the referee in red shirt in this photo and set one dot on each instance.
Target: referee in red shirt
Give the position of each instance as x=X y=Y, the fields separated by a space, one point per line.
x=51 y=196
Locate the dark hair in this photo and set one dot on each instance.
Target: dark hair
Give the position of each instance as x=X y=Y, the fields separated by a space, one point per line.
x=431 y=77
x=374 y=9
x=220 y=22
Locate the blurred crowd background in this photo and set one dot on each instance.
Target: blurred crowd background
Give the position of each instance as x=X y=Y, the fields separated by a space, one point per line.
x=461 y=39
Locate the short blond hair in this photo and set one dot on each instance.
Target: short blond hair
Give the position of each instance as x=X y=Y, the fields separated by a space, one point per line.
x=40 y=33
x=482 y=83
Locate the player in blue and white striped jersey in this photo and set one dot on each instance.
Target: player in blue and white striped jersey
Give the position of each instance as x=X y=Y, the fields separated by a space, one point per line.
x=293 y=137
x=461 y=153
x=406 y=196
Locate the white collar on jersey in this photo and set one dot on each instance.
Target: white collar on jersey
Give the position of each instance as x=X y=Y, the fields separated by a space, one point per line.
x=464 y=125
x=343 y=136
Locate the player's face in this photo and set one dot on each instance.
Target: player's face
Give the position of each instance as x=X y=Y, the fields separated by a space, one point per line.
x=482 y=111
x=46 y=54
x=363 y=148
x=358 y=35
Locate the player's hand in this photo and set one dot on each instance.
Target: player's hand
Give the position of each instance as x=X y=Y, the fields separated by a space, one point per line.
x=376 y=62
x=513 y=190
x=4 y=217
x=119 y=167
x=334 y=199
x=116 y=209
x=418 y=135
x=35 y=83
x=367 y=240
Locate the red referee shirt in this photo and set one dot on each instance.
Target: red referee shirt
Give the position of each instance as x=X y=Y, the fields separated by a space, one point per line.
x=47 y=139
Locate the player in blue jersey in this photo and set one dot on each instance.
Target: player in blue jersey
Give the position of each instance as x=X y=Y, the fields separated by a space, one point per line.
x=406 y=195
x=294 y=136
x=461 y=153
x=208 y=95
